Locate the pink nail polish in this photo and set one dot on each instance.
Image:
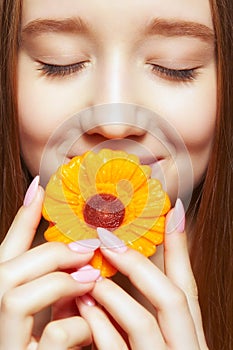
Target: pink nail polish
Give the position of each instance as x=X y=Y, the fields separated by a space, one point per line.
x=111 y=241
x=86 y=274
x=85 y=245
x=176 y=221
x=31 y=192
x=88 y=300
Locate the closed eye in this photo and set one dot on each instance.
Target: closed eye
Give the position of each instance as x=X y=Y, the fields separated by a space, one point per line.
x=53 y=70
x=178 y=75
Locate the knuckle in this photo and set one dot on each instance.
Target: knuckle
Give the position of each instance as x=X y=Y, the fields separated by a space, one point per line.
x=56 y=333
x=1 y=253
x=148 y=323
x=124 y=347
x=177 y=299
x=145 y=324
x=11 y=304
x=4 y=254
x=5 y=276
x=121 y=346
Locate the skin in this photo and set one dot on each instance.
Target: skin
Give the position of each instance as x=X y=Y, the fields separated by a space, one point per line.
x=131 y=60
x=121 y=65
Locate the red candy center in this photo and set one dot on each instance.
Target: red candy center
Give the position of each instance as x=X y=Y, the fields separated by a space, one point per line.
x=104 y=210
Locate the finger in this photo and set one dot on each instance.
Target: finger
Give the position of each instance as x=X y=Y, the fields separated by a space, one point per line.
x=99 y=321
x=33 y=345
x=22 y=231
x=18 y=305
x=140 y=326
x=178 y=267
x=66 y=333
x=39 y=261
x=174 y=315
x=176 y=255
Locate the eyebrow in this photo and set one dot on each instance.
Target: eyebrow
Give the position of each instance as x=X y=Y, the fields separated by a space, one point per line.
x=157 y=26
x=173 y=28
x=41 y=26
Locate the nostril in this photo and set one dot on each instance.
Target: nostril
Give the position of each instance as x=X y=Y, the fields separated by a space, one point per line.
x=114 y=121
x=116 y=131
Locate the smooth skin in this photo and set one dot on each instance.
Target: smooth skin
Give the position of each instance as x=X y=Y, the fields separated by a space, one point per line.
x=174 y=296
x=118 y=58
x=120 y=64
x=177 y=323
x=31 y=281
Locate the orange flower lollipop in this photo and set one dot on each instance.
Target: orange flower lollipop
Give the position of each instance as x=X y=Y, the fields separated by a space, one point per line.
x=109 y=189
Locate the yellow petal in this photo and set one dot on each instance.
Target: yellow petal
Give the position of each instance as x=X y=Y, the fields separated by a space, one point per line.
x=143 y=246
x=99 y=262
x=108 y=172
x=52 y=234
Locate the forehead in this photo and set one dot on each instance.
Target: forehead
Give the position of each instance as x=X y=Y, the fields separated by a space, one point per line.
x=118 y=15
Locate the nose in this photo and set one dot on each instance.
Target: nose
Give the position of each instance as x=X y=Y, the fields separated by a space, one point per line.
x=114 y=79
x=115 y=121
x=116 y=114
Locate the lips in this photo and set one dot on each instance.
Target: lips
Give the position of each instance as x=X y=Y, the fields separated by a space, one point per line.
x=143 y=158
x=149 y=161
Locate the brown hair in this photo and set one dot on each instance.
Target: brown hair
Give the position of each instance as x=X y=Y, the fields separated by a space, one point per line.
x=11 y=179
x=212 y=250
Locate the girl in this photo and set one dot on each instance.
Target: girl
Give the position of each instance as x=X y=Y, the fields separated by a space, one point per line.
x=173 y=57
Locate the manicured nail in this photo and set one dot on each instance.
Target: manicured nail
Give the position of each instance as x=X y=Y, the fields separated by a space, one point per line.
x=111 y=241
x=31 y=192
x=86 y=274
x=176 y=221
x=88 y=300
x=85 y=245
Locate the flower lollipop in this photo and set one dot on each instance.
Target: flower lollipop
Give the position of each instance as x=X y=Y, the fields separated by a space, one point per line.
x=109 y=189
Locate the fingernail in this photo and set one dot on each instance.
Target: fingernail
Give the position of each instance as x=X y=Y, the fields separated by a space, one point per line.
x=111 y=241
x=176 y=221
x=86 y=274
x=85 y=245
x=31 y=191
x=87 y=300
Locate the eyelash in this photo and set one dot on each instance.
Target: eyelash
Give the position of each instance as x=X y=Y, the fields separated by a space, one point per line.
x=182 y=75
x=176 y=75
x=53 y=70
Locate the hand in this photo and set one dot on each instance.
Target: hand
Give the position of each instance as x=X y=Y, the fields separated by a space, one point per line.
x=177 y=324
x=31 y=280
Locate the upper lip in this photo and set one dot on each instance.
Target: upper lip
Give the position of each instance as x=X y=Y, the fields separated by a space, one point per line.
x=144 y=159
x=142 y=151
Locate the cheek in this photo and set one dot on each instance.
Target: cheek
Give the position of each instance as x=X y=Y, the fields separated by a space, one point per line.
x=34 y=125
x=42 y=108
x=193 y=114
x=197 y=127
x=191 y=111
x=37 y=109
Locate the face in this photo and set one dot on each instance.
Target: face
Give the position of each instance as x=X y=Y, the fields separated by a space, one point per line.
x=151 y=53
